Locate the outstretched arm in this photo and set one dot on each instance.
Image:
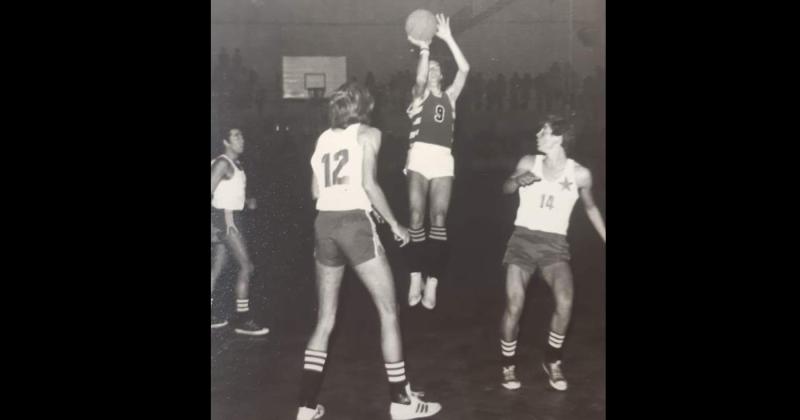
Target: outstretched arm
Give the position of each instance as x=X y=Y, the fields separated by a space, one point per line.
x=443 y=32
x=584 y=180
x=422 y=67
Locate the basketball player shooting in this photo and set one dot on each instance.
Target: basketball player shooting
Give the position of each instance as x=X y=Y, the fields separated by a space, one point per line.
x=429 y=168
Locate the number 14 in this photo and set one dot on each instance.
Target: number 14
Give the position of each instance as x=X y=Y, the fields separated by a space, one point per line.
x=548 y=203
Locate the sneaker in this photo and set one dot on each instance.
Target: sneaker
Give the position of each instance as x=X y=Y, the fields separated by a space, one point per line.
x=510 y=380
x=415 y=289
x=305 y=413
x=217 y=321
x=413 y=407
x=429 y=298
x=553 y=371
x=245 y=325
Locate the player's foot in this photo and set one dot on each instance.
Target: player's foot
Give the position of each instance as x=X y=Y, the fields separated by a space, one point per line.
x=555 y=376
x=410 y=406
x=415 y=289
x=247 y=326
x=510 y=380
x=429 y=298
x=305 y=413
x=217 y=321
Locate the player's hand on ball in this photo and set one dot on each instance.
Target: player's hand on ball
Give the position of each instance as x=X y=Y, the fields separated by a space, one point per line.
x=443 y=27
x=401 y=235
x=418 y=43
x=527 y=178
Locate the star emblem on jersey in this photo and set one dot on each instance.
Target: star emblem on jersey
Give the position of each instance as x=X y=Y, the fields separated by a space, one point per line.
x=565 y=185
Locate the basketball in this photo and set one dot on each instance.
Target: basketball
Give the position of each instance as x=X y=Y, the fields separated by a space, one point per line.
x=421 y=25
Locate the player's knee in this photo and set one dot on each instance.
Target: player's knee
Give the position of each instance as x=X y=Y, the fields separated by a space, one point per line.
x=563 y=303
x=514 y=306
x=248 y=268
x=388 y=311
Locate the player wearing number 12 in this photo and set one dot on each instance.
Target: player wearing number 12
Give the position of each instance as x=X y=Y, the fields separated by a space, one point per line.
x=548 y=187
x=346 y=189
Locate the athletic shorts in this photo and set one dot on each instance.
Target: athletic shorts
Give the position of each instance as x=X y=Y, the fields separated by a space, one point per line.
x=342 y=237
x=530 y=249
x=219 y=229
x=430 y=160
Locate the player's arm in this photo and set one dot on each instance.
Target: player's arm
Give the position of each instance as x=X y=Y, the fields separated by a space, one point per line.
x=314 y=184
x=422 y=67
x=314 y=188
x=443 y=32
x=250 y=202
x=521 y=176
x=370 y=140
x=583 y=177
x=219 y=170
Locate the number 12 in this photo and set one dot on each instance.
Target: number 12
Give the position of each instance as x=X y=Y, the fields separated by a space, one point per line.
x=342 y=156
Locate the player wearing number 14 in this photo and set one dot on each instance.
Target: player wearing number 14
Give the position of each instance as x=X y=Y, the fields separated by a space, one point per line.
x=549 y=185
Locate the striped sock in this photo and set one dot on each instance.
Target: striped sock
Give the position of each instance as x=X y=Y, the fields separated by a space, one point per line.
x=310 y=383
x=438 y=252
x=242 y=305
x=509 y=350
x=438 y=233
x=554 y=343
x=415 y=250
x=417 y=235
x=396 y=372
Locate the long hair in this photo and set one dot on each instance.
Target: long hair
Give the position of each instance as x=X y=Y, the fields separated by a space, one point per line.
x=350 y=104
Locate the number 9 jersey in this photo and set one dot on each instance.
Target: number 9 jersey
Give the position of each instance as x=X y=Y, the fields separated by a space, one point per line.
x=337 y=164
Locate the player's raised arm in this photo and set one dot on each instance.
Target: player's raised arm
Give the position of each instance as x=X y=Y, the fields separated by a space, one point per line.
x=444 y=33
x=422 y=67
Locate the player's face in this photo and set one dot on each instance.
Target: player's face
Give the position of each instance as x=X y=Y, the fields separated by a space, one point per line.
x=236 y=141
x=545 y=140
x=434 y=73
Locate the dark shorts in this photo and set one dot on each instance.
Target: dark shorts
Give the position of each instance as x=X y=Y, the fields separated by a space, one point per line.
x=219 y=230
x=530 y=249
x=345 y=236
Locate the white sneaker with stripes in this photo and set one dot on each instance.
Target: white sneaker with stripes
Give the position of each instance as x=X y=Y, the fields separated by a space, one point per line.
x=510 y=380
x=555 y=376
x=415 y=409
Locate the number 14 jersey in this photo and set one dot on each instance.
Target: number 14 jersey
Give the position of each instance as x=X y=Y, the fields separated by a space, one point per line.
x=547 y=205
